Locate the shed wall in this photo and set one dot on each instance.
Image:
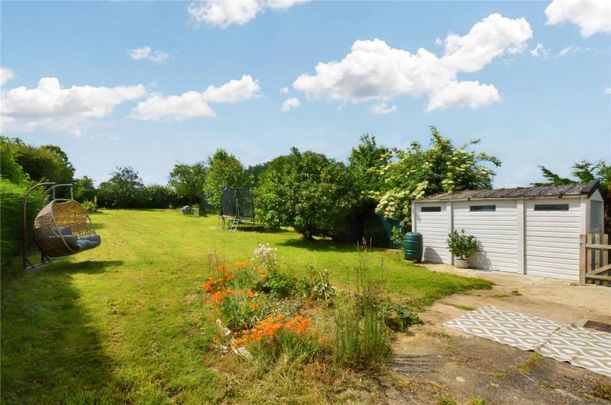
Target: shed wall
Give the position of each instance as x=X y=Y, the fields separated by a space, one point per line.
x=514 y=238
x=434 y=229
x=552 y=239
x=497 y=232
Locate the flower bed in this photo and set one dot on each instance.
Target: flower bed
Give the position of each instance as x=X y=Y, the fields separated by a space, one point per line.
x=265 y=315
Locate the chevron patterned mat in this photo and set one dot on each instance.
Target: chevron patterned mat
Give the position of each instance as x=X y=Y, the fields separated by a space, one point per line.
x=580 y=347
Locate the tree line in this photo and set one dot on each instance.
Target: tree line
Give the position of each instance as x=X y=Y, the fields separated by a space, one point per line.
x=306 y=190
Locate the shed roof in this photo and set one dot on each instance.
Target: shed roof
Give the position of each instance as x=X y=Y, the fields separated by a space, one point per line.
x=577 y=189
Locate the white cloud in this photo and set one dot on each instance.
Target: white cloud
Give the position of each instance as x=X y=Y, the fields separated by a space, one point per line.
x=540 y=51
x=375 y=71
x=382 y=109
x=6 y=75
x=592 y=16
x=149 y=54
x=290 y=103
x=607 y=91
x=194 y=104
x=234 y=91
x=492 y=37
x=571 y=49
x=187 y=105
x=223 y=13
x=284 y=90
x=51 y=107
x=463 y=94
x=283 y=4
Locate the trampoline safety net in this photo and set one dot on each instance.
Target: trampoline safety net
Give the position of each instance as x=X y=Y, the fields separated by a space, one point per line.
x=237 y=203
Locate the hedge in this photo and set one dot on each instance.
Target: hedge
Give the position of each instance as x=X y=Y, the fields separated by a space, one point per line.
x=11 y=200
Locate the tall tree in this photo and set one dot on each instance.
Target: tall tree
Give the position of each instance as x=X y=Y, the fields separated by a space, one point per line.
x=585 y=172
x=366 y=163
x=552 y=178
x=124 y=189
x=67 y=169
x=224 y=170
x=254 y=173
x=45 y=163
x=189 y=180
x=84 y=189
x=417 y=172
x=307 y=191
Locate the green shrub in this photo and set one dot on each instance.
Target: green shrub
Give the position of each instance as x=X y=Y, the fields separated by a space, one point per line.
x=41 y=163
x=319 y=286
x=11 y=214
x=462 y=245
x=399 y=317
x=278 y=284
x=396 y=236
x=9 y=168
x=84 y=189
x=90 y=206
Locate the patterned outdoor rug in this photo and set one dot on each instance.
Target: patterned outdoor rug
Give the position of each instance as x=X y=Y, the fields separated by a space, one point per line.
x=581 y=347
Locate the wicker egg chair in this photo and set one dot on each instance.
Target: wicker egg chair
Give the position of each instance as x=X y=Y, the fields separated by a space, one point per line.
x=63 y=228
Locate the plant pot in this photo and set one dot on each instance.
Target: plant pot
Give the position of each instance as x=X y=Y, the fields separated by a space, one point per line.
x=461 y=263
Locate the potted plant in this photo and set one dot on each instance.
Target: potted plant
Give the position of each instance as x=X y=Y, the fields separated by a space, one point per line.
x=462 y=246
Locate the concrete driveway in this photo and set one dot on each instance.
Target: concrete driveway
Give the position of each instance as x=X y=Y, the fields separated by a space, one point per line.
x=440 y=365
x=559 y=300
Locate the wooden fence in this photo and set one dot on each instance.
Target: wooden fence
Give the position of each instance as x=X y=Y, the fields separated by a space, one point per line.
x=594 y=267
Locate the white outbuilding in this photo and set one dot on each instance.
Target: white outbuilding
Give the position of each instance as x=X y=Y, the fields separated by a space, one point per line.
x=526 y=230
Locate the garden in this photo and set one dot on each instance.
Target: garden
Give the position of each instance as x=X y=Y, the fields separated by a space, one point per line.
x=149 y=324
x=302 y=306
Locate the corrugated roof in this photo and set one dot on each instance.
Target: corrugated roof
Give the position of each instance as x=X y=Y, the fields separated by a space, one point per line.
x=518 y=192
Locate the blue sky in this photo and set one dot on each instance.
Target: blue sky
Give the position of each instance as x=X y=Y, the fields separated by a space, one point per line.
x=148 y=84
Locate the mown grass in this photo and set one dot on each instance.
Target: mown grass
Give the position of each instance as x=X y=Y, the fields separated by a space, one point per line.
x=123 y=323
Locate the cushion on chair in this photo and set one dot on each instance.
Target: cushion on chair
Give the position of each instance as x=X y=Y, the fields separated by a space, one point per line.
x=63 y=230
x=88 y=242
x=72 y=242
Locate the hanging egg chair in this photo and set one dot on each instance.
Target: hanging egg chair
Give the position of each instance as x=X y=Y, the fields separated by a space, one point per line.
x=61 y=228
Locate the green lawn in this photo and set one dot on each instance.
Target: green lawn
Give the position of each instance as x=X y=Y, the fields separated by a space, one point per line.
x=122 y=322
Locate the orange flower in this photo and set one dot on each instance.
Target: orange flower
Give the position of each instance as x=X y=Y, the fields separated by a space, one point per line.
x=217 y=297
x=297 y=325
x=242 y=265
x=251 y=294
x=215 y=341
x=208 y=286
x=302 y=326
x=244 y=340
x=254 y=306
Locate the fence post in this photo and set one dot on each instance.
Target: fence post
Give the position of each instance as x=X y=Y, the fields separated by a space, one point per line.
x=605 y=259
x=582 y=258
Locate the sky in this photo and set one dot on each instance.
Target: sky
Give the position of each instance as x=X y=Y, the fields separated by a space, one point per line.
x=148 y=84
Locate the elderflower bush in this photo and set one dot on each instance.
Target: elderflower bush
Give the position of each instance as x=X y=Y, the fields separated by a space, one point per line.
x=416 y=172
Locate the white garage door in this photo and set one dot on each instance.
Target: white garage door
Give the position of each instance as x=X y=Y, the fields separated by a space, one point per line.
x=432 y=223
x=494 y=223
x=552 y=238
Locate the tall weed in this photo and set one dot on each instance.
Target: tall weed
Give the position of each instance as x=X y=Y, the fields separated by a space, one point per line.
x=362 y=340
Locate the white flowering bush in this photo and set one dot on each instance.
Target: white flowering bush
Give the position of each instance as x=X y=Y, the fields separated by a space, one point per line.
x=416 y=172
x=265 y=256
